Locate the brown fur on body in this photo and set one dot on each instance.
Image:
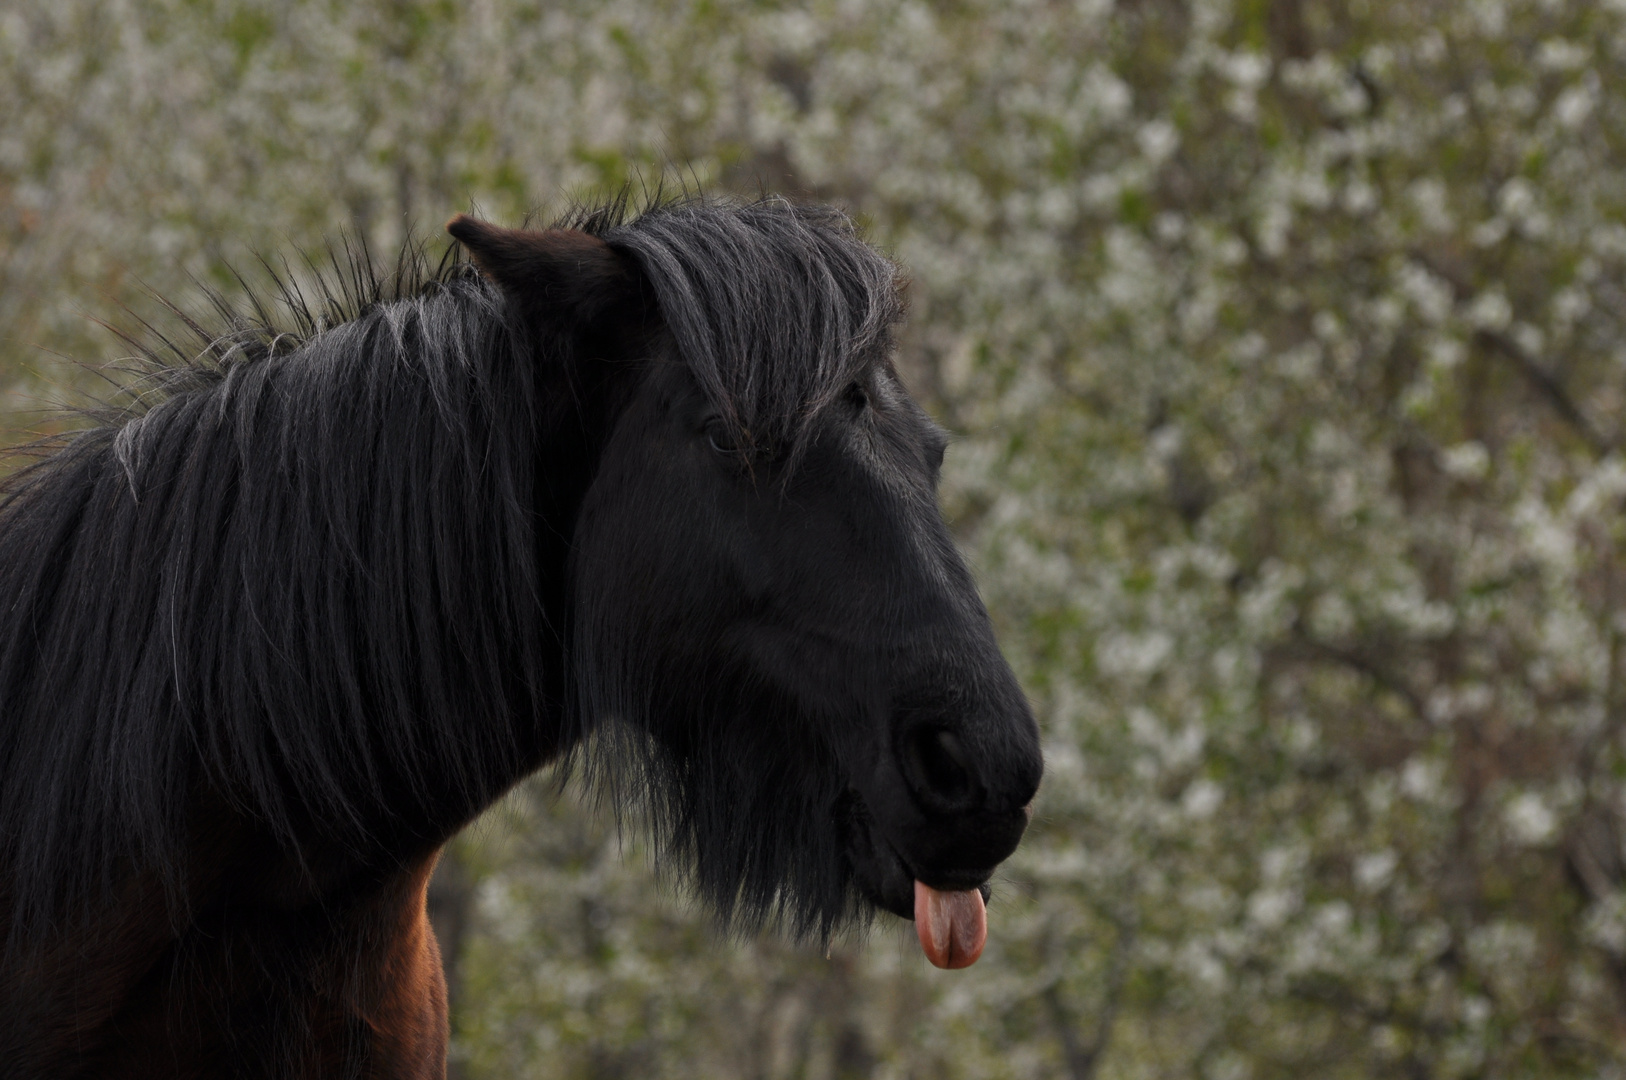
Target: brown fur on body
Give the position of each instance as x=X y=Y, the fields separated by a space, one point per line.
x=281 y=970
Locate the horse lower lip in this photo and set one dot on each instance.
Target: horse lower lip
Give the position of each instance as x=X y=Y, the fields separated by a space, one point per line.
x=897 y=887
x=889 y=878
x=882 y=874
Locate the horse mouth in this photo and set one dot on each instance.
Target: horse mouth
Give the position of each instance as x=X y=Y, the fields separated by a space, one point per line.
x=884 y=876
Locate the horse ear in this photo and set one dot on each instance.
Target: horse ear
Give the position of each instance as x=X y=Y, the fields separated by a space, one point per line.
x=552 y=274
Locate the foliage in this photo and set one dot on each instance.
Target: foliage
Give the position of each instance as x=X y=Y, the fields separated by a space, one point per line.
x=1285 y=338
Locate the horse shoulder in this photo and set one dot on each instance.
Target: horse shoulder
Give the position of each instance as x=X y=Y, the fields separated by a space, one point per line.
x=400 y=990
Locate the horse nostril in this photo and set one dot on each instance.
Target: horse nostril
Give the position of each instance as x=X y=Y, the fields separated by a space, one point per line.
x=942 y=766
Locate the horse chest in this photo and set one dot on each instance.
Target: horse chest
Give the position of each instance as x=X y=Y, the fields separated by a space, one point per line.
x=349 y=990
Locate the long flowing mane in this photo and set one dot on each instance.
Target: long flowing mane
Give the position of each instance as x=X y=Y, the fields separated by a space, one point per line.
x=300 y=571
x=272 y=580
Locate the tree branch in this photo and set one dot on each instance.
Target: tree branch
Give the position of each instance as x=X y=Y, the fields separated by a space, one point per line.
x=1549 y=386
x=1084 y=1056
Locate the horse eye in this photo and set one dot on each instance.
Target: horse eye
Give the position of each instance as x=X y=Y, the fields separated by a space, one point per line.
x=721 y=439
x=857 y=396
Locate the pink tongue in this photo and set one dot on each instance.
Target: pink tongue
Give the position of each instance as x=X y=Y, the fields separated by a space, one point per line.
x=953 y=926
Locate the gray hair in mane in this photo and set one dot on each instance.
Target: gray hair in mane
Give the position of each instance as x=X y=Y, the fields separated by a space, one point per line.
x=775 y=308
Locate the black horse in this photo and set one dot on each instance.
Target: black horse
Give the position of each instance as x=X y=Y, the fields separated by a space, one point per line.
x=648 y=486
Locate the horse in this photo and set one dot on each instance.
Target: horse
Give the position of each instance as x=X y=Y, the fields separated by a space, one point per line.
x=640 y=490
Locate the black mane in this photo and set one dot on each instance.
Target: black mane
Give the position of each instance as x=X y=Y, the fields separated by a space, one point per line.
x=775 y=308
x=299 y=570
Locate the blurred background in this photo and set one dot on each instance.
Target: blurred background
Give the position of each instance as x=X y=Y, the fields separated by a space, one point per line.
x=1283 y=343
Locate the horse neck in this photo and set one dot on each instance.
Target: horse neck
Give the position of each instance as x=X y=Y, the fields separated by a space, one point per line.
x=402 y=554
x=324 y=588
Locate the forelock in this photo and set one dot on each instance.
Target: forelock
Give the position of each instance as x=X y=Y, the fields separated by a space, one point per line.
x=774 y=307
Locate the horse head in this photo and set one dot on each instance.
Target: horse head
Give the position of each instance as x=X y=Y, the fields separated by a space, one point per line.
x=762 y=589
